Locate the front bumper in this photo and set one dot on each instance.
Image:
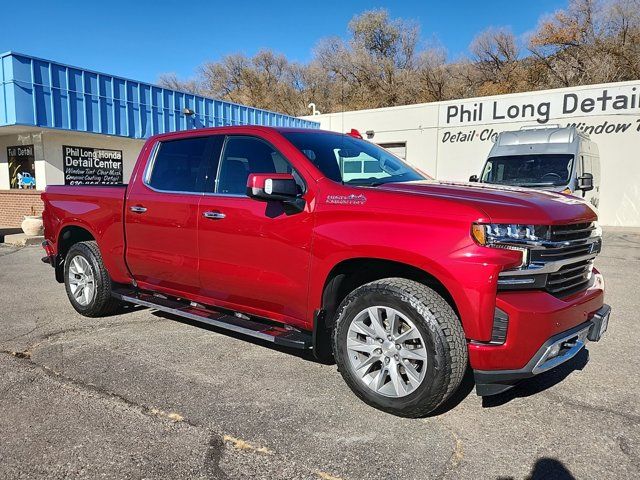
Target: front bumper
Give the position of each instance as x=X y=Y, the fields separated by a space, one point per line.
x=555 y=351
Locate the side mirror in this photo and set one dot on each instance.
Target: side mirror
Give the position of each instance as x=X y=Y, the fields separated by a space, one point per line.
x=585 y=182
x=272 y=187
x=473 y=178
x=276 y=187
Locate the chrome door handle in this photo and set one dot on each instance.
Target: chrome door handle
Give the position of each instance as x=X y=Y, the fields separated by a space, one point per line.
x=214 y=215
x=138 y=209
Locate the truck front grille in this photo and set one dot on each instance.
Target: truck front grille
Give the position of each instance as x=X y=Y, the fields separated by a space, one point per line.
x=562 y=265
x=571 y=278
x=574 y=231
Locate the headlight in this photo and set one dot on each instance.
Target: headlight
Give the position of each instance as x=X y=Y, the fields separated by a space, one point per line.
x=497 y=234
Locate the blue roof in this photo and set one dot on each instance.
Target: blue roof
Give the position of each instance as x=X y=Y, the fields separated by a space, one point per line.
x=42 y=93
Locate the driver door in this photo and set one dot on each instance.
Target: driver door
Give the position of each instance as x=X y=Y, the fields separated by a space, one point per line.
x=254 y=257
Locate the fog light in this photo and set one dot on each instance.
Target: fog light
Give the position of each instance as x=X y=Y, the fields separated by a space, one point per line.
x=554 y=351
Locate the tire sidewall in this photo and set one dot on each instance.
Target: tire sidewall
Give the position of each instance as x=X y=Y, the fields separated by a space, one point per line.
x=435 y=380
x=83 y=251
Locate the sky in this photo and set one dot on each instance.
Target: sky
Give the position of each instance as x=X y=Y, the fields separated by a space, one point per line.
x=141 y=39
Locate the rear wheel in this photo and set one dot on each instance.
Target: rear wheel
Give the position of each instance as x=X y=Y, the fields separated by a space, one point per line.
x=87 y=282
x=399 y=346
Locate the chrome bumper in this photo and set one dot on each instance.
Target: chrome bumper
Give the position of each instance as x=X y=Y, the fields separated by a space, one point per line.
x=554 y=352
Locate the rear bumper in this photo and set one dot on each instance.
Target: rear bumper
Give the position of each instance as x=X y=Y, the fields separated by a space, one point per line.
x=555 y=351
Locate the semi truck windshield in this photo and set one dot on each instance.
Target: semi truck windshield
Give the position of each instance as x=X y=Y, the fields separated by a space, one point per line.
x=529 y=170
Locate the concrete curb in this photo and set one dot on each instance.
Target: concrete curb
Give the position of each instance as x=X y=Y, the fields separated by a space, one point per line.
x=22 y=240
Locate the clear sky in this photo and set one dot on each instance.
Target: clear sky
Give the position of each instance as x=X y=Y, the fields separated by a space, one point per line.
x=140 y=39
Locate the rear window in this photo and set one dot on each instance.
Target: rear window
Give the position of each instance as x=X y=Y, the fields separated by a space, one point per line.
x=186 y=165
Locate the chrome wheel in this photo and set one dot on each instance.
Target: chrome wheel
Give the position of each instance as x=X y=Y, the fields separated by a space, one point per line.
x=386 y=351
x=81 y=281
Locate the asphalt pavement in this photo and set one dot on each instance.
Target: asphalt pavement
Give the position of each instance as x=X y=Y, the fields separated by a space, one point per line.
x=145 y=395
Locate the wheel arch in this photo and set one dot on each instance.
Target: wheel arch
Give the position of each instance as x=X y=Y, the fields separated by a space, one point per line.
x=349 y=274
x=69 y=235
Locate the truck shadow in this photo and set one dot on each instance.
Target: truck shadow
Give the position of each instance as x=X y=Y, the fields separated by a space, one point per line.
x=525 y=388
x=539 y=383
x=304 y=354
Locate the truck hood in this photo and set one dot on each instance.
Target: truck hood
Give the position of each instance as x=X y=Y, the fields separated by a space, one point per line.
x=503 y=204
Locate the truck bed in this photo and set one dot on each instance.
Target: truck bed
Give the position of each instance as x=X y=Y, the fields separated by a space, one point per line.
x=96 y=208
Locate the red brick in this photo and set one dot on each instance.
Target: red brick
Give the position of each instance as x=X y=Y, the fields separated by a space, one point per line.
x=14 y=204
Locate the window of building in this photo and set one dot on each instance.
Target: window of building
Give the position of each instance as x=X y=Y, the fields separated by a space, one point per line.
x=22 y=169
x=399 y=149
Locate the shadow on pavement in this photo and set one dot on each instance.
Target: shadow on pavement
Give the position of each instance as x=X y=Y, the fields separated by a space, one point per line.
x=304 y=354
x=540 y=382
x=550 y=469
x=8 y=231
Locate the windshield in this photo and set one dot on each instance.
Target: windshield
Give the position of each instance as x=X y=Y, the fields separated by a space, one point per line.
x=350 y=160
x=529 y=170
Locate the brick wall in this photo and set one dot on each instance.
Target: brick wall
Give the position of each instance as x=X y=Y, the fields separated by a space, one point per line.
x=14 y=204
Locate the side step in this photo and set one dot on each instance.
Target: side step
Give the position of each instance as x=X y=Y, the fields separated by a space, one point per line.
x=276 y=333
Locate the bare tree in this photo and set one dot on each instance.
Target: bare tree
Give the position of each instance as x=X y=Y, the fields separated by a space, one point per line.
x=383 y=62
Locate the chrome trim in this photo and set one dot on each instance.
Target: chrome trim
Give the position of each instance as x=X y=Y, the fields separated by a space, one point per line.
x=515 y=281
x=546 y=267
x=542 y=365
x=544 y=244
x=146 y=176
x=214 y=215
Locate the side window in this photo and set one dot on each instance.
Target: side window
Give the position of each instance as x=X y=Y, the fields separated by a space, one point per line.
x=243 y=156
x=186 y=165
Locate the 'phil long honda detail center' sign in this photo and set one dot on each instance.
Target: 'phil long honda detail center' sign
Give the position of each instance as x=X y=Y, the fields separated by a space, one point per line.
x=92 y=166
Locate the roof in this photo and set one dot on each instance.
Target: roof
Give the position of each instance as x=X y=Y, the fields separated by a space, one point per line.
x=44 y=93
x=531 y=136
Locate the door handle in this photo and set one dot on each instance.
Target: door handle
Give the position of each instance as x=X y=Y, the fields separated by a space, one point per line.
x=214 y=215
x=138 y=209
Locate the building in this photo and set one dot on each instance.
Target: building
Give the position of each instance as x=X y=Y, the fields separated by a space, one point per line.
x=67 y=125
x=450 y=140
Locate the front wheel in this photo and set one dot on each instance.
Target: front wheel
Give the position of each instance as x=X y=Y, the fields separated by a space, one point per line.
x=399 y=346
x=87 y=281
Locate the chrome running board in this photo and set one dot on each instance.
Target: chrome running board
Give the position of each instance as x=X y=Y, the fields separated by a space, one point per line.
x=269 y=331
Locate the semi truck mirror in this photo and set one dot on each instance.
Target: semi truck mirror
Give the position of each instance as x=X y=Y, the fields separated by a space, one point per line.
x=585 y=182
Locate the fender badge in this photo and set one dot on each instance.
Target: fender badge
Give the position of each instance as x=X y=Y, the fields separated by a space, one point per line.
x=352 y=199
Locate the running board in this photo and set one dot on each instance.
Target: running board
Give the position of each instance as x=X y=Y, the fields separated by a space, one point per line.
x=278 y=334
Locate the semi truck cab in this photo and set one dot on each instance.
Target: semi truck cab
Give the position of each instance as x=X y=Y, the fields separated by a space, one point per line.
x=559 y=159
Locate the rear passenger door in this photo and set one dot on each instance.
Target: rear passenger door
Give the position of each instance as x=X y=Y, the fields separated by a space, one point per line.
x=253 y=256
x=161 y=213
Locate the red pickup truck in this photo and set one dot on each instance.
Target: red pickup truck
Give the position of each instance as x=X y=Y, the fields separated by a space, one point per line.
x=323 y=241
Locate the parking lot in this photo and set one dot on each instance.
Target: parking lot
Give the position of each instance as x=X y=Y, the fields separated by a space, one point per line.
x=145 y=395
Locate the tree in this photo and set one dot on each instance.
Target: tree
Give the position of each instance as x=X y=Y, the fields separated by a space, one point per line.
x=383 y=62
x=495 y=53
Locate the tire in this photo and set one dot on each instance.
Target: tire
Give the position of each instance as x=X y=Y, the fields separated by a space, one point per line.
x=77 y=281
x=435 y=355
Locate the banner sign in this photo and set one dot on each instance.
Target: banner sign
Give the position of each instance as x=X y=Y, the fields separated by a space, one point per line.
x=22 y=169
x=92 y=166
x=618 y=100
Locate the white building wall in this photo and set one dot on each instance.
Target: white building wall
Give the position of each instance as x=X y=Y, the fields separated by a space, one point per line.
x=450 y=140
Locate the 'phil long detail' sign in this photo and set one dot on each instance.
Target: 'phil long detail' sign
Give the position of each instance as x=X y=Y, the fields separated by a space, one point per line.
x=542 y=107
x=92 y=166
